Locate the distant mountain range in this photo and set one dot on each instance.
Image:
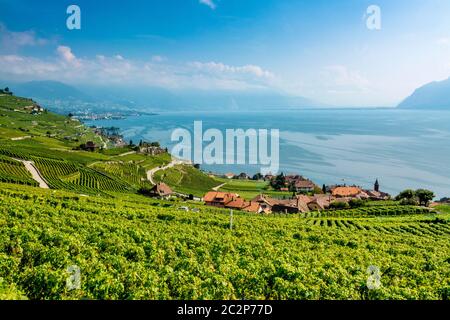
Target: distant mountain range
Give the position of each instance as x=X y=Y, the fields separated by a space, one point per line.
x=141 y=98
x=434 y=95
x=48 y=90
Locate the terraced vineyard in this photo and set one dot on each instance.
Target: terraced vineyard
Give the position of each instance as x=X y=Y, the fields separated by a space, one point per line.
x=378 y=210
x=137 y=248
x=97 y=180
x=13 y=171
x=130 y=172
x=424 y=227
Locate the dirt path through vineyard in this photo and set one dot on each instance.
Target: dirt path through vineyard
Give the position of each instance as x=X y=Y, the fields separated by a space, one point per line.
x=29 y=165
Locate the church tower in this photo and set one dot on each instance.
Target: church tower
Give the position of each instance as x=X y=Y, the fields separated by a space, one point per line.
x=376 y=186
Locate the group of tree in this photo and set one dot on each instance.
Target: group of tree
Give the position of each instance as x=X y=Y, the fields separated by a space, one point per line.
x=6 y=91
x=421 y=197
x=258 y=177
x=278 y=182
x=143 y=143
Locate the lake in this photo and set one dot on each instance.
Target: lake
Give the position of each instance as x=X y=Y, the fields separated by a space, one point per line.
x=402 y=148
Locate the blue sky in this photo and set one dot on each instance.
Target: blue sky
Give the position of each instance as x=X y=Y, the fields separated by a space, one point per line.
x=319 y=49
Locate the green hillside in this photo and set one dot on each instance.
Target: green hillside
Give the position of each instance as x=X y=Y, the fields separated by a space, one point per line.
x=249 y=189
x=188 y=180
x=127 y=246
x=51 y=141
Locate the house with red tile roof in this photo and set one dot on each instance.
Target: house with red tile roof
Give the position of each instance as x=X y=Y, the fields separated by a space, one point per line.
x=232 y=201
x=304 y=186
x=219 y=199
x=161 y=190
x=343 y=192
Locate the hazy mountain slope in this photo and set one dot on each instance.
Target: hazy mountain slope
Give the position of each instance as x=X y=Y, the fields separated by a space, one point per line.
x=49 y=90
x=434 y=95
x=144 y=98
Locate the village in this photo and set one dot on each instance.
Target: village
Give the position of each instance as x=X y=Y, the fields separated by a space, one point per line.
x=305 y=196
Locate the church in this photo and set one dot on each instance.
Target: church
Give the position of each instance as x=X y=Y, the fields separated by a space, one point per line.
x=376 y=194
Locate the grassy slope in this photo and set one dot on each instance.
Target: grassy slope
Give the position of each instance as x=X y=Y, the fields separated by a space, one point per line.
x=248 y=189
x=21 y=123
x=443 y=208
x=188 y=180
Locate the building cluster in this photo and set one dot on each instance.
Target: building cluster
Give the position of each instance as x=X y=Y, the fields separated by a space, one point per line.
x=34 y=109
x=298 y=184
x=151 y=149
x=295 y=183
x=346 y=193
x=297 y=204
x=265 y=204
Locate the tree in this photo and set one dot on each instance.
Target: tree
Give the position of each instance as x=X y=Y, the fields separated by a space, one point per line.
x=131 y=143
x=70 y=115
x=324 y=189
x=406 y=194
x=292 y=188
x=145 y=191
x=258 y=176
x=6 y=89
x=424 y=196
x=409 y=202
x=318 y=190
x=278 y=182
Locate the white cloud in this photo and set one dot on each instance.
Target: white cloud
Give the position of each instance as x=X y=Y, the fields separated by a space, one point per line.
x=66 y=53
x=11 y=41
x=101 y=69
x=119 y=57
x=223 y=69
x=209 y=3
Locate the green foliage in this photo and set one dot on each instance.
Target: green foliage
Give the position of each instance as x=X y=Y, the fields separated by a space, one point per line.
x=186 y=179
x=130 y=172
x=424 y=196
x=278 y=182
x=131 y=247
x=420 y=196
x=12 y=171
x=339 y=205
x=409 y=202
x=406 y=194
x=356 y=203
x=444 y=208
x=258 y=176
x=374 y=211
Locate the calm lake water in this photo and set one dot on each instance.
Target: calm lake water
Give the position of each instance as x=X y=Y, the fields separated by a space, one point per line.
x=402 y=148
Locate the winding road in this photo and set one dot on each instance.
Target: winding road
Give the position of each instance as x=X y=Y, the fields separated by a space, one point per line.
x=218 y=187
x=173 y=163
